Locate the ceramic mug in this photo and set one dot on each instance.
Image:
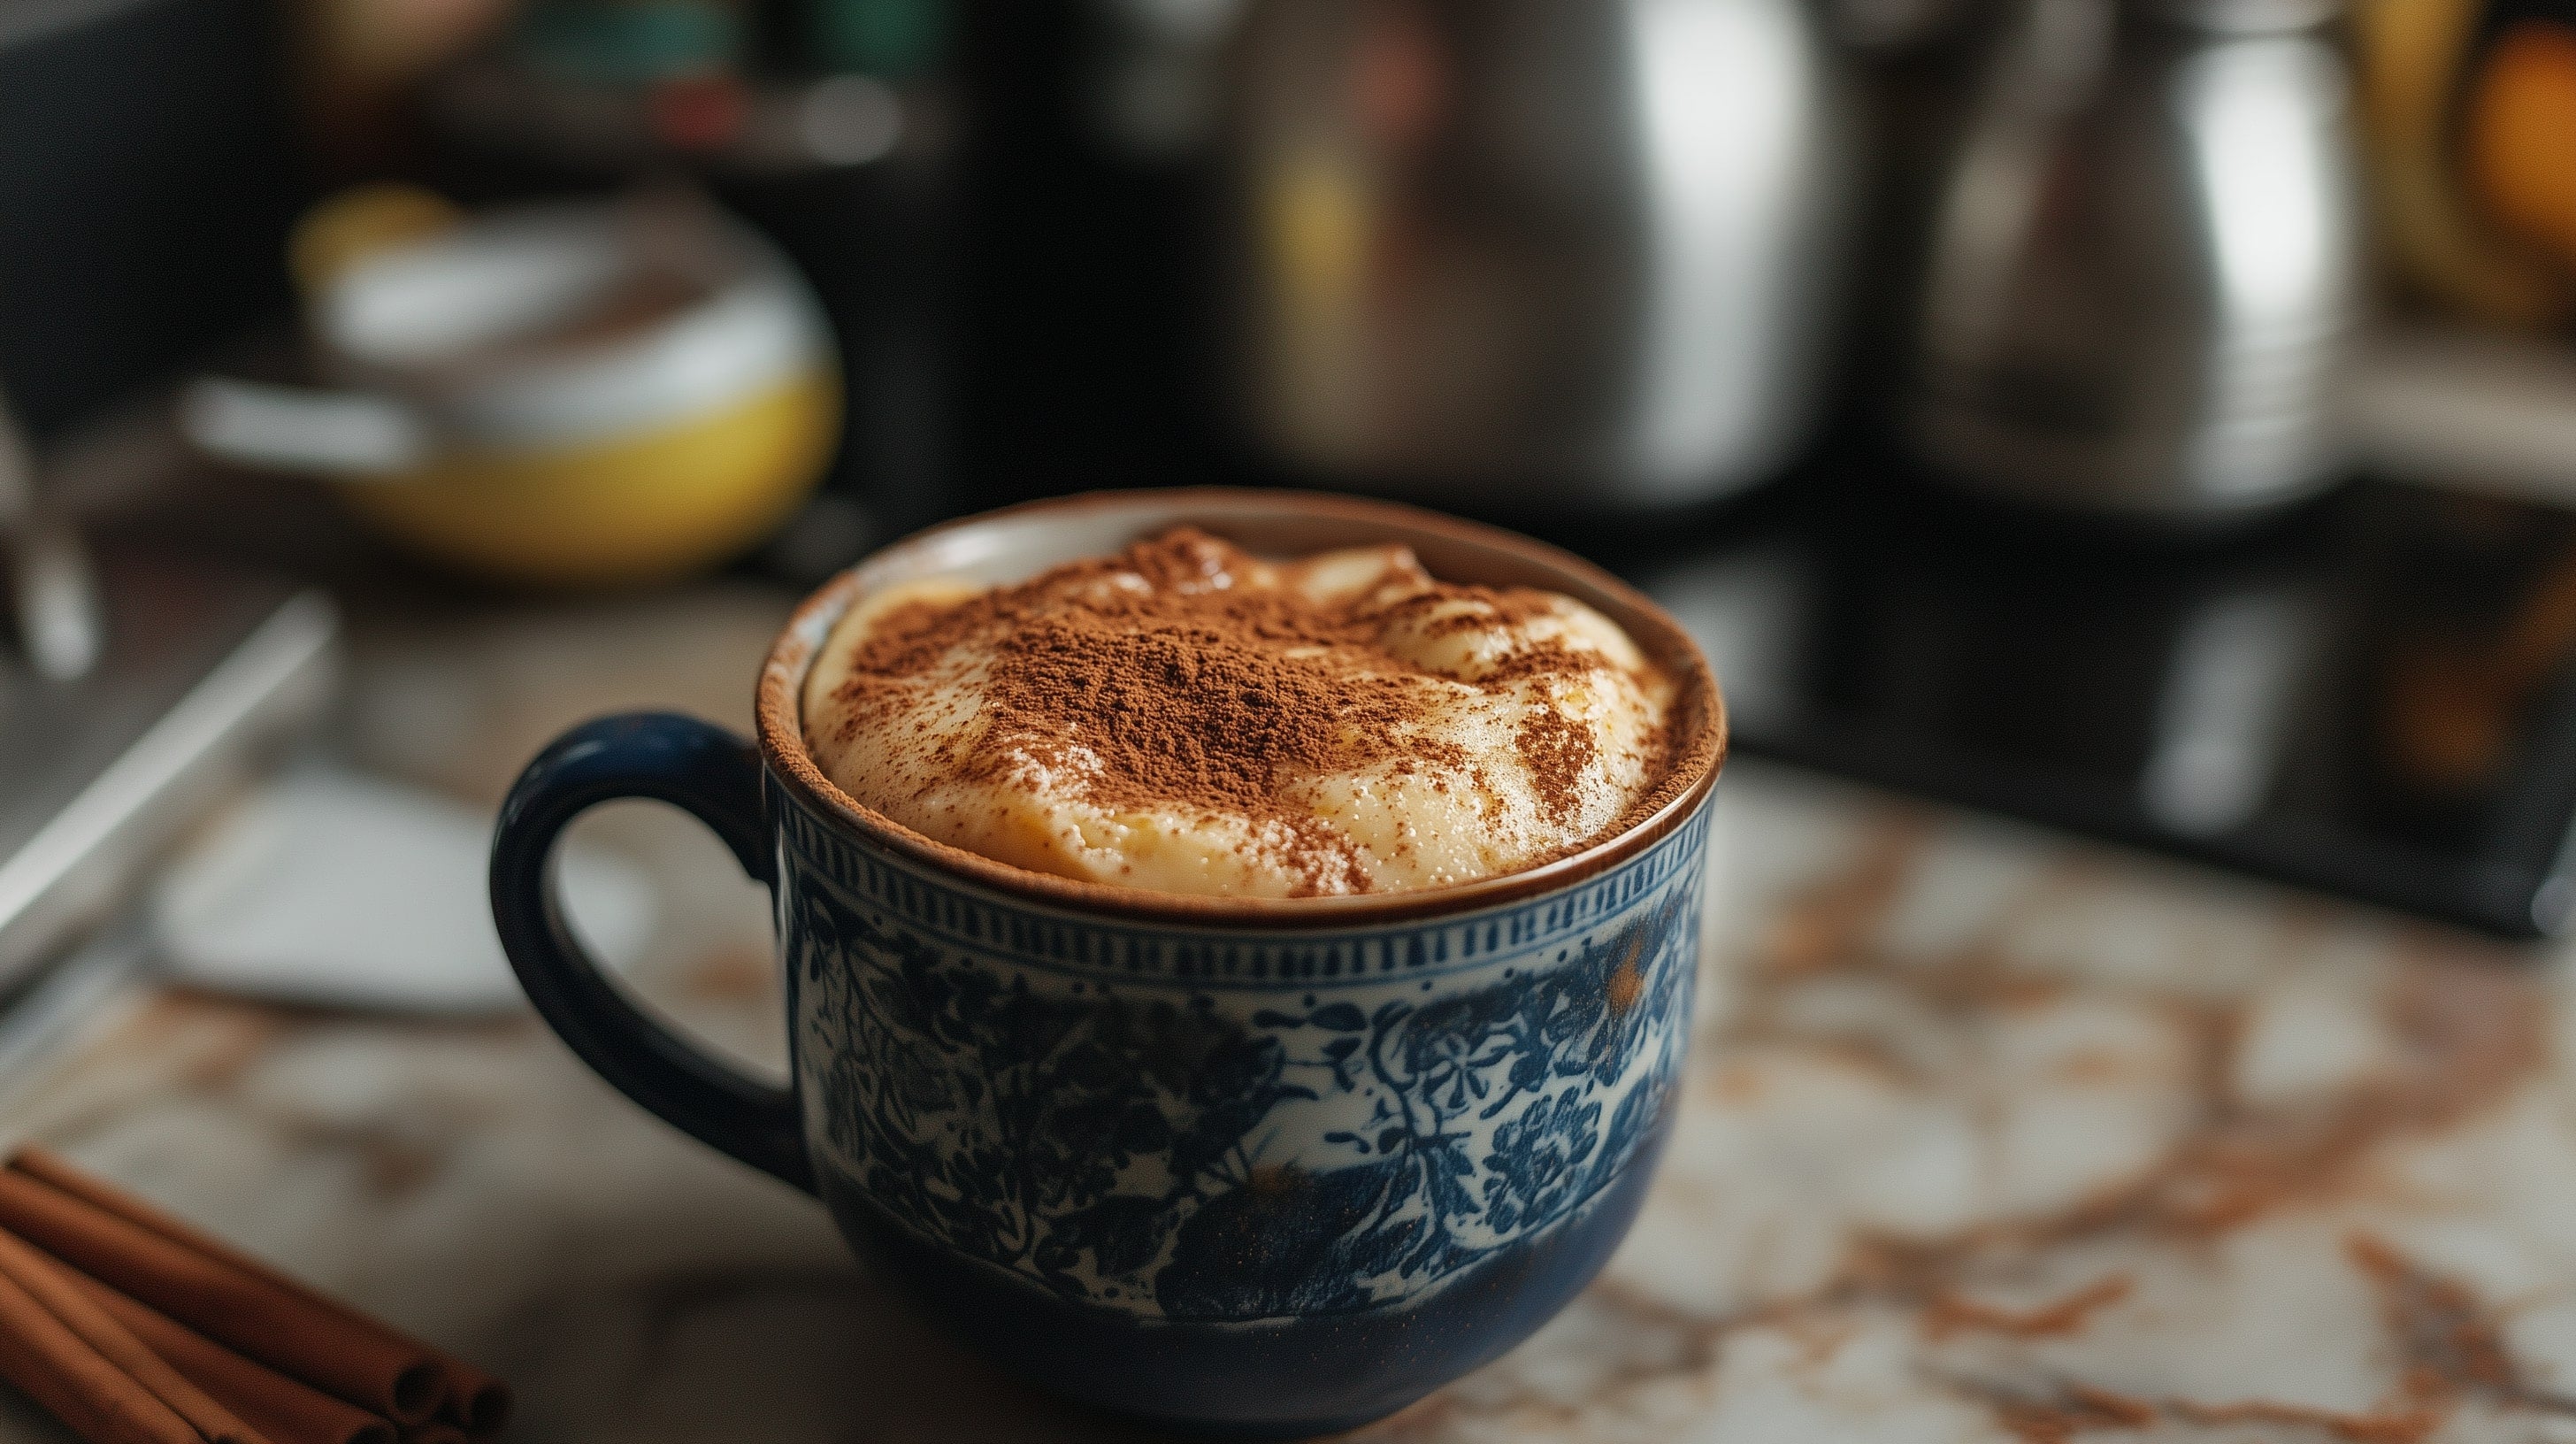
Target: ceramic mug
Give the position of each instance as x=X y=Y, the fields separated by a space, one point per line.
x=1255 y=1166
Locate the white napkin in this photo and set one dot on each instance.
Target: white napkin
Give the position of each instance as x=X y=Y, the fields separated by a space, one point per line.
x=331 y=889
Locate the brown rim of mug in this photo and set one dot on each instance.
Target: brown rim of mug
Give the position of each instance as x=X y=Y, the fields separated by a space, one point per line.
x=782 y=739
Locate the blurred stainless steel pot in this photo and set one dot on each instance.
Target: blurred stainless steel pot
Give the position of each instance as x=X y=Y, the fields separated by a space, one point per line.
x=1533 y=253
x=2146 y=273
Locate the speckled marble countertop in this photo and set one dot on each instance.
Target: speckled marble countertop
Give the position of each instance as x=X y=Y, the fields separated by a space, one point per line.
x=1990 y=1135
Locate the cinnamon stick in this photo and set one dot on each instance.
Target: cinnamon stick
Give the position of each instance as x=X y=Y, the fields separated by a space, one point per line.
x=74 y=1382
x=286 y=1411
x=475 y=1401
x=52 y=1286
x=221 y=1294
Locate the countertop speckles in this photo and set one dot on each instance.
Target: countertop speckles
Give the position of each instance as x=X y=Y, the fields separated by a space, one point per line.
x=1990 y=1135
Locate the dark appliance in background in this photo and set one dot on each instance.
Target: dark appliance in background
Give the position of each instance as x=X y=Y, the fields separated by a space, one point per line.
x=2374 y=697
x=1087 y=355
x=147 y=180
x=877 y=246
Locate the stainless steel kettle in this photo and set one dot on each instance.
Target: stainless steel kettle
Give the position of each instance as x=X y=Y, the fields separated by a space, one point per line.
x=2145 y=273
x=1532 y=253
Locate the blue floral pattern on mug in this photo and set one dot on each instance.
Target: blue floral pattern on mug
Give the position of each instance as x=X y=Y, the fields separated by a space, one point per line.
x=1227 y=1127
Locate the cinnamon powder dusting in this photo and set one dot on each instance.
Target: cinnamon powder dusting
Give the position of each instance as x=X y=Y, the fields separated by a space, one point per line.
x=1183 y=675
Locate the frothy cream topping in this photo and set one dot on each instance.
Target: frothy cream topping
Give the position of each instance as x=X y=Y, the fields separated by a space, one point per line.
x=1188 y=718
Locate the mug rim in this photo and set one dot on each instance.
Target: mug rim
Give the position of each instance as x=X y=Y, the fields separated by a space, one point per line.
x=780 y=724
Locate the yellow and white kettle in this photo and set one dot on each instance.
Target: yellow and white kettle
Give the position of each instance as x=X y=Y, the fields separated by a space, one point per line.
x=583 y=393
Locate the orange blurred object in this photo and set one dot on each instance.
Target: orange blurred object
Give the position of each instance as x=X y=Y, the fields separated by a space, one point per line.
x=2473 y=159
x=2519 y=136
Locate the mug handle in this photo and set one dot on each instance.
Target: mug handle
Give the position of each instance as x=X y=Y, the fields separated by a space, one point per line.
x=714 y=776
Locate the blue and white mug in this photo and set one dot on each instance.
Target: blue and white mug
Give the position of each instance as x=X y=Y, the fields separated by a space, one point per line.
x=1249 y=1166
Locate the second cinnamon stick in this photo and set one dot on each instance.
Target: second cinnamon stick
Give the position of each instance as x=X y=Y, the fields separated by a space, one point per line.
x=286 y=1411
x=361 y=1362
x=75 y=1382
x=56 y=1289
x=470 y=1398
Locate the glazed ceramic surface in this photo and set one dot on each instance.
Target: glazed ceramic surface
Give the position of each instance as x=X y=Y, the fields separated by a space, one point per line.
x=1252 y=1166
x=1230 y=1127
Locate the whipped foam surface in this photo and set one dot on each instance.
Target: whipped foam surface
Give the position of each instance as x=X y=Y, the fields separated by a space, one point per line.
x=1443 y=733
